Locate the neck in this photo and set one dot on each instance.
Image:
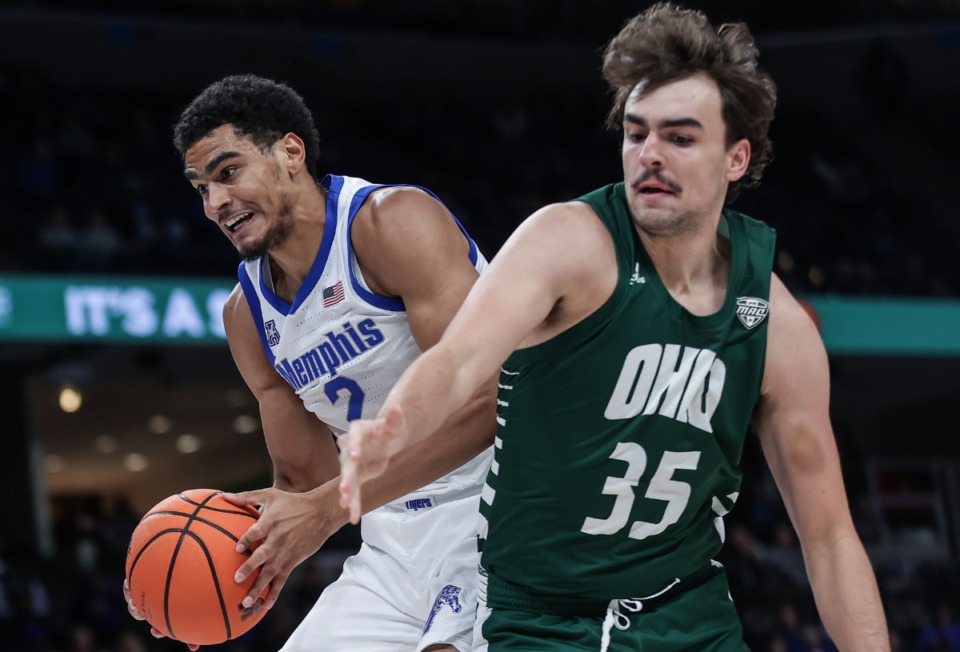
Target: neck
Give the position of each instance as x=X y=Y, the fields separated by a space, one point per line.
x=291 y=261
x=694 y=267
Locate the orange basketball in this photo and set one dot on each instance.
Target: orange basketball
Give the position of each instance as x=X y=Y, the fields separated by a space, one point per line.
x=180 y=565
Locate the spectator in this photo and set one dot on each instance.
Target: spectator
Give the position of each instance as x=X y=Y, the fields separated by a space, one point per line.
x=59 y=240
x=942 y=632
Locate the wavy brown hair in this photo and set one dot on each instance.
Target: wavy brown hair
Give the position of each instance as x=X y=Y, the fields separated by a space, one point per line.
x=666 y=43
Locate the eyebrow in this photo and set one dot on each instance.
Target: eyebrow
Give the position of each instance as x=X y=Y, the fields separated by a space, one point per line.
x=665 y=124
x=211 y=165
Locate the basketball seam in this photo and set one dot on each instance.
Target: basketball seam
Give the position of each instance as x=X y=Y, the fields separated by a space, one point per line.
x=198 y=519
x=173 y=562
x=185 y=522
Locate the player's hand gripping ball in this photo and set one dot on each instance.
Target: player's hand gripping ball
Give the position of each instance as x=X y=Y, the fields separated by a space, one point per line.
x=180 y=565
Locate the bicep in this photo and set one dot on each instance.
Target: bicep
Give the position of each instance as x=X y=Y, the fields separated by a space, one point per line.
x=409 y=246
x=545 y=278
x=301 y=447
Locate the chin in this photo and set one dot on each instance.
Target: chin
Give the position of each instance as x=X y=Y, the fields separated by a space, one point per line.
x=252 y=252
x=656 y=222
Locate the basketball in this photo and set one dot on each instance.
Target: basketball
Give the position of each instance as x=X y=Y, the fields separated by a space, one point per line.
x=180 y=565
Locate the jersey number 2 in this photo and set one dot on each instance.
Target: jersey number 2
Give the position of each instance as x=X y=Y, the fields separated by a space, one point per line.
x=332 y=390
x=662 y=487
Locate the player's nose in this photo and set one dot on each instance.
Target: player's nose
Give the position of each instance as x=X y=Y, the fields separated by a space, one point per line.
x=218 y=197
x=651 y=152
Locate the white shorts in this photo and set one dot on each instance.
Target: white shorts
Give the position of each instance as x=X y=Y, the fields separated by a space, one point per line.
x=412 y=585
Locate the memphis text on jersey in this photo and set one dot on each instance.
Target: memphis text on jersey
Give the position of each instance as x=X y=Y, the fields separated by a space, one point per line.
x=338 y=347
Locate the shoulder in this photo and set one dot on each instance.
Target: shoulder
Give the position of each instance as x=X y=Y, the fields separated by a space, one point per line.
x=571 y=230
x=234 y=301
x=795 y=351
x=386 y=207
x=399 y=198
x=237 y=316
x=403 y=235
x=567 y=253
x=399 y=212
x=787 y=315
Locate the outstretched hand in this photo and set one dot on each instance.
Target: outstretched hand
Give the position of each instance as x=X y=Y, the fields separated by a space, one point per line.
x=291 y=527
x=364 y=453
x=132 y=608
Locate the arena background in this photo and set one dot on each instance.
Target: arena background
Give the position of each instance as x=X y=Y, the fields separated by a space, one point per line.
x=110 y=278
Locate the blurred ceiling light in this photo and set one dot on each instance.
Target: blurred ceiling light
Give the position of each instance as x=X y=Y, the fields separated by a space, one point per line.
x=815 y=274
x=236 y=398
x=105 y=444
x=187 y=444
x=785 y=261
x=159 y=424
x=245 y=424
x=135 y=462
x=54 y=464
x=70 y=398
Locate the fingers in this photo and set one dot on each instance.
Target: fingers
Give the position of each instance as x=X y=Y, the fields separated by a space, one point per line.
x=363 y=456
x=156 y=634
x=257 y=558
x=132 y=608
x=275 y=587
x=393 y=422
x=131 y=605
x=253 y=498
x=349 y=482
x=263 y=581
x=253 y=536
x=355 y=508
x=275 y=582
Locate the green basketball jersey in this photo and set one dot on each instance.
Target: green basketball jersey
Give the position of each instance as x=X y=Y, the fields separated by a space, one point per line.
x=619 y=440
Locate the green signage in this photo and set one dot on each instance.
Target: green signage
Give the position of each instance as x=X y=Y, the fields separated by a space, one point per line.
x=189 y=311
x=888 y=325
x=112 y=309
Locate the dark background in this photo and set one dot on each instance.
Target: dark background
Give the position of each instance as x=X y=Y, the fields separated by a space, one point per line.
x=498 y=106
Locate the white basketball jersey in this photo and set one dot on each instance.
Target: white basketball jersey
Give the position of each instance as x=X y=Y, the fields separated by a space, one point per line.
x=340 y=346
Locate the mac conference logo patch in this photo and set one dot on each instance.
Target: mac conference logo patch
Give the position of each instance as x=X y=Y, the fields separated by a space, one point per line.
x=752 y=311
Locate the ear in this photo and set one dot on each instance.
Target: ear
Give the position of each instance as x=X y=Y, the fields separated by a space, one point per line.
x=738 y=159
x=292 y=153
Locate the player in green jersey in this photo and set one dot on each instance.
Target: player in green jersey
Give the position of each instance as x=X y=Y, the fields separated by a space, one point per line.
x=639 y=331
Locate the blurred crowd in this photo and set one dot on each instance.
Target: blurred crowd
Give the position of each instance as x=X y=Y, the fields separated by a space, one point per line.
x=509 y=19
x=90 y=183
x=72 y=601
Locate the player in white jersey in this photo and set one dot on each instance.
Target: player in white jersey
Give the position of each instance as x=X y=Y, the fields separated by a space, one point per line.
x=344 y=284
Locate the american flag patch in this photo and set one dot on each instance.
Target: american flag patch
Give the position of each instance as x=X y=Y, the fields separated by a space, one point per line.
x=333 y=294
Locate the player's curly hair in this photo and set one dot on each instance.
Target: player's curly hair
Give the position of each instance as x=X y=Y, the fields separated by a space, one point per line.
x=263 y=109
x=665 y=44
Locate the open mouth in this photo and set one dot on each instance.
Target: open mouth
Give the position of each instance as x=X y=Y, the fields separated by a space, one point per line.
x=651 y=190
x=237 y=221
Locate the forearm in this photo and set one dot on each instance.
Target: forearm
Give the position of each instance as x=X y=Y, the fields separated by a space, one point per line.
x=299 y=478
x=431 y=391
x=465 y=435
x=846 y=594
x=462 y=437
x=301 y=448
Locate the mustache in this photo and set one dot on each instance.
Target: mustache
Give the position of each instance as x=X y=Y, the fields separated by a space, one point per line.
x=656 y=176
